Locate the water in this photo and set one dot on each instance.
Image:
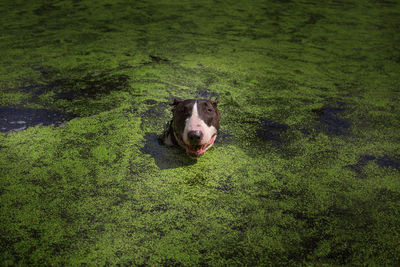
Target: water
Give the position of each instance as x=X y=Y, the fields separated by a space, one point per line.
x=17 y=119
x=304 y=171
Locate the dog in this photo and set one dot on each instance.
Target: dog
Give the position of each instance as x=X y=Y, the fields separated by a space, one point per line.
x=194 y=125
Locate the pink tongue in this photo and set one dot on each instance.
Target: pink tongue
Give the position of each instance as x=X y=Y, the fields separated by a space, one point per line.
x=202 y=148
x=196 y=151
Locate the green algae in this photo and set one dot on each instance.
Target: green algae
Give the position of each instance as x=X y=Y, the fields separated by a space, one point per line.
x=306 y=171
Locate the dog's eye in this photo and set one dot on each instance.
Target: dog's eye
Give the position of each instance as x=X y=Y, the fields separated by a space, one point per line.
x=209 y=110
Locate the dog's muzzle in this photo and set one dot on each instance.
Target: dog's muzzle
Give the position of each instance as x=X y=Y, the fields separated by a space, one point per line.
x=195 y=137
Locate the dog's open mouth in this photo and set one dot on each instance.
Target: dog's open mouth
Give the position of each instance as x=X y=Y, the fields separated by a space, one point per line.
x=199 y=149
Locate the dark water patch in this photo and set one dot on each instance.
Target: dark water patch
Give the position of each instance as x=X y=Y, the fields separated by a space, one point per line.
x=313 y=18
x=301 y=215
x=258 y=134
x=271 y=131
x=343 y=255
x=35 y=89
x=45 y=9
x=49 y=75
x=17 y=119
x=47 y=72
x=157 y=59
x=224 y=138
x=150 y=102
x=205 y=93
x=283 y=194
x=385 y=194
x=383 y=162
x=343 y=4
x=155 y=116
x=226 y=185
x=105 y=28
x=282 y=1
x=165 y=157
x=153 y=59
x=34 y=233
x=39 y=89
x=386 y=2
x=297 y=38
x=91 y=86
x=362 y=161
x=331 y=121
x=223 y=187
x=389 y=162
x=155 y=110
x=76 y=2
x=286 y=193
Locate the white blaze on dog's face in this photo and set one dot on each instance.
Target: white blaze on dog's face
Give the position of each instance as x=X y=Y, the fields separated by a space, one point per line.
x=195 y=124
x=196 y=131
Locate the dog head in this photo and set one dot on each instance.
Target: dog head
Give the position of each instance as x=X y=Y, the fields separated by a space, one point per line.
x=195 y=124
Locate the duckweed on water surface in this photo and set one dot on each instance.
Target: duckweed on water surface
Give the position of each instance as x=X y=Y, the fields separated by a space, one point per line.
x=306 y=167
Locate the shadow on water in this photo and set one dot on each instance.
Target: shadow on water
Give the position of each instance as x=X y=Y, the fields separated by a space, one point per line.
x=17 y=119
x=272 y=131
x=165 y=157
x=205 y=93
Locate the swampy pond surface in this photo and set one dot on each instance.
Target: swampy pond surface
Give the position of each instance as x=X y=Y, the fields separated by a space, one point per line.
x=306 y=168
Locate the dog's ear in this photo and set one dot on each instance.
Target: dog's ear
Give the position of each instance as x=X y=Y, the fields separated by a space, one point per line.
x=176 y=101
x=216 y=101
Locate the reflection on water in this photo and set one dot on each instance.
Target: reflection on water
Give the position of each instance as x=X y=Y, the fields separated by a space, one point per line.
x=17 y=119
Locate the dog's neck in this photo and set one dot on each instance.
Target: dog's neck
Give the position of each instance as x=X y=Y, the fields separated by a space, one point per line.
x=168 y=136
x=171 y=133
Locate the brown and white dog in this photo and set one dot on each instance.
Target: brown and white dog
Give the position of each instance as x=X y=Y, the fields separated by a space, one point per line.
x=194 y=125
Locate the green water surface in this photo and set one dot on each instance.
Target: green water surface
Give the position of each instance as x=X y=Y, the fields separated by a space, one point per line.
x=306 y=170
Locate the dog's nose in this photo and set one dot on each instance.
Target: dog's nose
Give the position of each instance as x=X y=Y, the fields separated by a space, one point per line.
x=195 y=137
